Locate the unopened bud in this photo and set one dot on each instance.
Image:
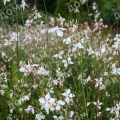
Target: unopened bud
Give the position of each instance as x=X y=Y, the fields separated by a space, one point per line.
x=116 y=64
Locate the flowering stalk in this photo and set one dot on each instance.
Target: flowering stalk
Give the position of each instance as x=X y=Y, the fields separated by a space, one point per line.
x=82 y=86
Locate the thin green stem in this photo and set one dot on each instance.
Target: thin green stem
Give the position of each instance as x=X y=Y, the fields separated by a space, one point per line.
x=83 y=87
x=46 y=18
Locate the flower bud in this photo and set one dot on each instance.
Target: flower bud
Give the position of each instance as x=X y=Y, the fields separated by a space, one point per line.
x=116 y=64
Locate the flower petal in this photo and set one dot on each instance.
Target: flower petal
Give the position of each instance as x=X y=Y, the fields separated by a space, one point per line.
x=59 y=33
x=47 y=96
x=42 y=100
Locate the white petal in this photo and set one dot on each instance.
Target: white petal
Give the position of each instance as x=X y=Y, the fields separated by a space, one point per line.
x=67 y=99
x=65 y=65
x=47 y=96
x=71 y=95
x=22 y=69
x=32 y=111
x=64 y=61
x=100 y=103
x=73 y=49
x=108 y=109
x=58 y=107
x=52 y=30
x=52 y=100
x=42 y=100
x=55 y=117
x=64 y=94
x=68 y=91
x=61 y=102
x=94 y=103
x=59 y=33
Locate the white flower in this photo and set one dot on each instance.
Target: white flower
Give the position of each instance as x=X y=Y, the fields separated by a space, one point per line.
x=108 y=109
x=62 y=20
x=22 y=69
x=30 y=108
x=118 y=106
x=57 y=30
x=27 y=69
x=98 y=104
x=51 y=90
x=106 y=73
x=75 y=27
x=3 y=53
x=35 y=86
x=21 y=109
x=2 y=92
x=58 y=81
x=42 y=71
x=44 y=31
x=28 y=23
x=88 y=103
x=52 y=19
x=23 y=4
x=11 y=94
x=78 y=45
x=59 y=55
x=94 y=7
x=39 y=116
x=11 y=110
x=71 y=113
x=47 y=102
x=67 y=40
x=94 y=3
x=7 y=42
x=59 y=103
x=14 y=36
x=38 y=15
x=98 y=82
x=68 y=95
x=98 y=114
x=66 y=62
x=90 y=50
x=3 y=86
x=107 y=94
x=58 y=118
x=24 y=98
x=18 y=102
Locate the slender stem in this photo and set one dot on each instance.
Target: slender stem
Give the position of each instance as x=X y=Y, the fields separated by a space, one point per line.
x=17 y=38
x=82 y=86
x=46 y=18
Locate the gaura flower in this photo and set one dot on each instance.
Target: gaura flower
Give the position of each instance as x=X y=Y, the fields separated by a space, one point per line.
x=3 y=53
x=2 y=92
x=47 y=102
x=30 y=108
x=57 y=30
x=68 y=95
x=66 y=62
x=39 y=116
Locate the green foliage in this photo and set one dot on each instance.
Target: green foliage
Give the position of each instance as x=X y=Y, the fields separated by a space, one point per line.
x=50 y=5
x=15 y=17
x=105 y=8
x=63 y=7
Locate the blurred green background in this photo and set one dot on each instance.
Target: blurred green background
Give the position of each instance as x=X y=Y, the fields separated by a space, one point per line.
x=60 y=6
